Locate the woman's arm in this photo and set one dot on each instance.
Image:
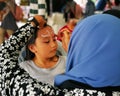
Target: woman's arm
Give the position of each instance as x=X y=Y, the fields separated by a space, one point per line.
x=9 y=52
x=11 y=47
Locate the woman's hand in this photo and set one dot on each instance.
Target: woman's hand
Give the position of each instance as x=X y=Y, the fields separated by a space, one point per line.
x=65 y=40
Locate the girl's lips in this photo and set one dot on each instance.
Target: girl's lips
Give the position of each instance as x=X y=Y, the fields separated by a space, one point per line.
x=53 y=50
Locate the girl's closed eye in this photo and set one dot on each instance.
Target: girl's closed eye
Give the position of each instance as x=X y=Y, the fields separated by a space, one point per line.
x=47 y=41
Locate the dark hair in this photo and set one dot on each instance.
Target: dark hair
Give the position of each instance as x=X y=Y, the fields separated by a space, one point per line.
x=69 y=10
x=2 y=5
x=117 y=2
x=113 y=12
x=30 y=55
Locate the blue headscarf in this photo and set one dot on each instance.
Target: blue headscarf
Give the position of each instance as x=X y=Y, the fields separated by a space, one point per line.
x=94 y=52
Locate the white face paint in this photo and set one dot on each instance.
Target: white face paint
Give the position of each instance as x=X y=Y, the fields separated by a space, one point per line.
x=47 y=34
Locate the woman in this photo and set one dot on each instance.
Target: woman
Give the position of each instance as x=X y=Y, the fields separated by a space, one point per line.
x=113 y=12
x=86 y=64
x=93 y=54
x=38 y=7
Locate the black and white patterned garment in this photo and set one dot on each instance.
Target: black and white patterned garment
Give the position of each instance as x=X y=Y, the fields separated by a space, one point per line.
x=14 y=81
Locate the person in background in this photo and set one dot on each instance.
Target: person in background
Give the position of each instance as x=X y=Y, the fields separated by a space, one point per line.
x=38 y=7
x=2 y=10
x=55 y=6
x=41 y=59
x=89 y=8
x=72 y=10
x=8 y=24
x=108 y=5
x=113 y=12
x=116 y=5
x=88 y=72
x=100 y=5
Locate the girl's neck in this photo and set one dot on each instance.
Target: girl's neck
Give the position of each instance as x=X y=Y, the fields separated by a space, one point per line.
x=46 y=63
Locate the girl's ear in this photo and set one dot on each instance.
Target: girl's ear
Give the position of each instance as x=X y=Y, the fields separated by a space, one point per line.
x=31 y=47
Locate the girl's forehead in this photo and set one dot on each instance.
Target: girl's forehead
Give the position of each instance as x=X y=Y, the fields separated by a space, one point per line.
x=46 y=32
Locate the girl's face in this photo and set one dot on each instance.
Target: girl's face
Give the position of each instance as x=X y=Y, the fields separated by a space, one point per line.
x=45 y=45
